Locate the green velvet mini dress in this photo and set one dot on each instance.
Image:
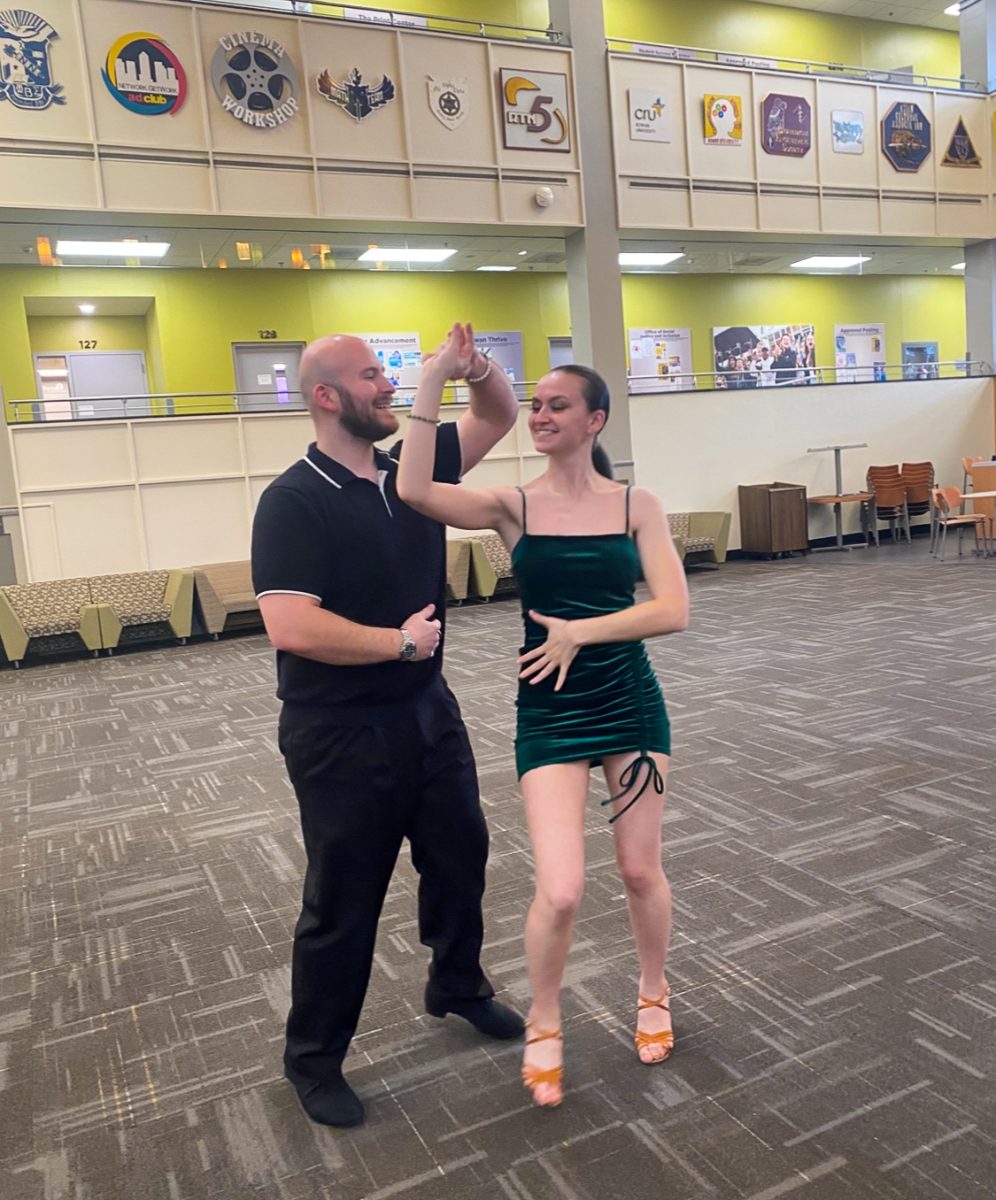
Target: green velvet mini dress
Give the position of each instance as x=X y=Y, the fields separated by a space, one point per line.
x=610 y=701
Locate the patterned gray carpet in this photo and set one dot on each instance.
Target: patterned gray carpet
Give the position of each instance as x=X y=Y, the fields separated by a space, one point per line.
x=830 y=838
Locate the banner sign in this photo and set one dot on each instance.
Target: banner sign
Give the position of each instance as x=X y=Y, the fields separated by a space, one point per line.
x=905 y=136
x=847 y=129
x=724 y=122
x=534 y=110
x=649 y=116
x=786 y=125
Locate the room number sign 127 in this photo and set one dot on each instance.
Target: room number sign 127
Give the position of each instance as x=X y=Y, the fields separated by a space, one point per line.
x=88 y=343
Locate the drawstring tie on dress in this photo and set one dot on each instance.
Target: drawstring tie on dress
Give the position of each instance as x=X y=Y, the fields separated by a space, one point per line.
x=628 y=780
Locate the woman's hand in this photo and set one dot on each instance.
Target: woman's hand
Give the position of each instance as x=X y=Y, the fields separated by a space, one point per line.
x=453 y=358
x=556 y=654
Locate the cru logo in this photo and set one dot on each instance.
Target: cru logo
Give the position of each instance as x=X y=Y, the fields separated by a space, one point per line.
x=534 y=110
x=144 y=75
x=649 y=116
x=255 y=80
x=25 y=62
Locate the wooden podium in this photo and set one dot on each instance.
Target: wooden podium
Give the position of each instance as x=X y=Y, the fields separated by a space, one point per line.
x=773 y=518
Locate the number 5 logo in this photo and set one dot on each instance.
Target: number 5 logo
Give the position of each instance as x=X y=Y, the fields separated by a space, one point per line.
x=523 y=126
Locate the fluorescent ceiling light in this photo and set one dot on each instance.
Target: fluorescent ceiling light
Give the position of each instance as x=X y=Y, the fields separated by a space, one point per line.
x=952 y=10
x=112 y=249
x=385 y=254
x=497 y=268
x=831 y=261
x=88 y=309
x=957 y=266
x=522 y=253
x=647 y=260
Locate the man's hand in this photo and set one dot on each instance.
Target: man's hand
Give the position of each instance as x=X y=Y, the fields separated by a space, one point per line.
x=556 y=654
x=425 y=632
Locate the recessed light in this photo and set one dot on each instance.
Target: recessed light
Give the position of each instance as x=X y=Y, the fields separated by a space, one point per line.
x=88 y=309
x=497 y=268
x=627 y=259
x=523 y=253
x=957 y=266
x=112 y=249
x=952 y=10
x=830 y=262
x=384 y=254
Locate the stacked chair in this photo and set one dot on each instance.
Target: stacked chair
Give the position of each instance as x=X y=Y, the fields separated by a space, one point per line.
x=918 y=480
x=886 y=483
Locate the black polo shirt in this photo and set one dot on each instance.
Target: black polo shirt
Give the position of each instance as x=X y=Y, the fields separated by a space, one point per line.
x=322 y=531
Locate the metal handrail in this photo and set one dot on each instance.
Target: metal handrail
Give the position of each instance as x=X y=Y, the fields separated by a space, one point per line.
x=439 y=23
x=763 y=62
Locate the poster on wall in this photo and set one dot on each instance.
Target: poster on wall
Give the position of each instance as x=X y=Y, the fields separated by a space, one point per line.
x=753 y=356
x=786 y=125
x=724 y=120
x=505 y=351
x=400 y=354
x=534 y=110
x=145 y=76
x=255 y=79
x=920 y=360
x=905 y=136
x=859 y=353
x=961 y=152
x=847 y=131
x=660 y=360
x=649 y=116
x=26 y=78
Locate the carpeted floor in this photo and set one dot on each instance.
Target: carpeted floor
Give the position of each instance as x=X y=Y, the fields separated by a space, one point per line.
x=830 y=838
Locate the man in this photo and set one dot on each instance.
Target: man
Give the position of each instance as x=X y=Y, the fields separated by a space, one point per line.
x=764 y=366
x=786 y=361
x=351 y=586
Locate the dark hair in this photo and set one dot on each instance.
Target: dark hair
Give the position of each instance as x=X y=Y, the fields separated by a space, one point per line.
x=595 y=393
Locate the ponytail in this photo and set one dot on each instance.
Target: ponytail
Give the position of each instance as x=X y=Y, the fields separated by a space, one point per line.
x=601 y=461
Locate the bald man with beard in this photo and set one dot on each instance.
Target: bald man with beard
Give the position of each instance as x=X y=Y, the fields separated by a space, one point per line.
x=352 y=586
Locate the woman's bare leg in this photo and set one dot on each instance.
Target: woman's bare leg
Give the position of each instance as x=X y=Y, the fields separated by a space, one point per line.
x=554 y=798
x=648 y=893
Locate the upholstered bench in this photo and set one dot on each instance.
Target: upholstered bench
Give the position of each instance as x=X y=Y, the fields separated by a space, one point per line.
x=225 y=597
x=700 y=536
x=490 y=567
x=143 y=605
x=55 y=616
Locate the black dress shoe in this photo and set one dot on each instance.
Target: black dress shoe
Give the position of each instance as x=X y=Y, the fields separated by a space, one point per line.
x=328 y=1101
x=487 y=1016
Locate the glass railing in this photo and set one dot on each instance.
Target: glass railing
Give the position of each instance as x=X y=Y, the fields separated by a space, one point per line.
x=196 y=404
x=767 y=62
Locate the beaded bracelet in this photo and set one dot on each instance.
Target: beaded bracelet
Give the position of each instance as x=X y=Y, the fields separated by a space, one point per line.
x=480 y=378
x=428 y=420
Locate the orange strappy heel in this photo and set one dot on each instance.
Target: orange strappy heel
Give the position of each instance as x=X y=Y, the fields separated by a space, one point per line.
x=533 y=1076
x=664 y=1037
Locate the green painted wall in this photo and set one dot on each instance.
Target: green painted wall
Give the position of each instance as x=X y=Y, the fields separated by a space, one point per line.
x=60 y=334
x=529 y=14
x=198 y=314
x=741 y=26
x=911 y=308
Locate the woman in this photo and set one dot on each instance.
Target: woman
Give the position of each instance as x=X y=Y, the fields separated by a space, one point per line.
x=587 y=692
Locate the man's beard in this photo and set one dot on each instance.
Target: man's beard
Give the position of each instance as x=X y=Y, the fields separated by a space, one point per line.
x=366 y=428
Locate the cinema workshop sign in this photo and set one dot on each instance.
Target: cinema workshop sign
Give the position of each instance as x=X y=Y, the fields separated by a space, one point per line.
x=255 y=80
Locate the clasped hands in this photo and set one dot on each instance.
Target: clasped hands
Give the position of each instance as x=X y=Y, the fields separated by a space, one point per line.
x=556 y=654
x=457 y=357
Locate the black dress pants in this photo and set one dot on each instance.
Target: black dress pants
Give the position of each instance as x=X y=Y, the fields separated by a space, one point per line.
x=362 y=789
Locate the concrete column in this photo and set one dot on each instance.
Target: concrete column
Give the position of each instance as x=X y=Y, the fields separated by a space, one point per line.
x=594 y=282
x=977 y=35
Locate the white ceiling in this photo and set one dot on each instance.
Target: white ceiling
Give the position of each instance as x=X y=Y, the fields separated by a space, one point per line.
x=203 y=246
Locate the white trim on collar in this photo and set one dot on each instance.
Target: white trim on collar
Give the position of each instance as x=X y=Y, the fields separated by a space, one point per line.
x=305 y=458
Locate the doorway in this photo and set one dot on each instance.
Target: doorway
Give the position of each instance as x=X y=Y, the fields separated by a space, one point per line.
x=73 y=384
x=267 y=376
x=561 y=352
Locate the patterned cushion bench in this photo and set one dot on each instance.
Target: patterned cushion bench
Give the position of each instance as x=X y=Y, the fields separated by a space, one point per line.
x=94 y=613
x=700 y=536
x=225 y=597
x=457 y=568
x=490 y=567
x=54 y=616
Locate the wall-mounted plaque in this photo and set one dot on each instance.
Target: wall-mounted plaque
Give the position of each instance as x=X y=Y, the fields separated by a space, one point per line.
x=144 y=75
x=961 y=152
x=847 y=131
x=905 y=136
x=534 y=110
x=255 y=80
x=724 y=120
x=786 y=125
x=26 y=78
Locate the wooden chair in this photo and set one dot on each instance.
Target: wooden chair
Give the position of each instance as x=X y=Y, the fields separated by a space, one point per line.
x=890 y=499
x=946 y=500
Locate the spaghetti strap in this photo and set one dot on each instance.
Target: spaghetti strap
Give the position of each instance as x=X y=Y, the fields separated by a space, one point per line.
x=629 y=488
x=523 y=495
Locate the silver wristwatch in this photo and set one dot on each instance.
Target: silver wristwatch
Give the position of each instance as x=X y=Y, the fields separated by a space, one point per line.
x=408 y=647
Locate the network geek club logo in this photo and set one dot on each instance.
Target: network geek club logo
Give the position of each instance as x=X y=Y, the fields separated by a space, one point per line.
x=255 y=80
